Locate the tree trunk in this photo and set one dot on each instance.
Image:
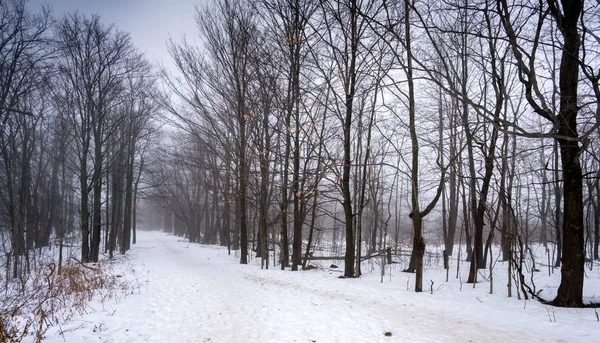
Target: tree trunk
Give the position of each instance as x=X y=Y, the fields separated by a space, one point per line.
x=84 y=214
x=135 y=198
x=242 y=190
x=570 y=291
x=129 y=208
x=558 y=215
x=265 y=154
x=597 y=221
x=298 y=223
x=117 y=205
x=349 y=103
x=235 y=241
x=97 y=193
x=418 y=241
x=225 y=236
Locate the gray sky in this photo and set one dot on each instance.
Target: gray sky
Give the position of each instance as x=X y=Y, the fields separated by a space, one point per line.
x=149 y=22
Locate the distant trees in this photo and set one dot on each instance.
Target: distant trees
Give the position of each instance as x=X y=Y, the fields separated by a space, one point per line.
x=23 y=140
x=293 y=121
x=94 y=64
x=436 y=81
x=218 y=88
x=73 y=93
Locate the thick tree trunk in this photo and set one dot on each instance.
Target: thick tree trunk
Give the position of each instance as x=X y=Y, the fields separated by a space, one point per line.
x=570 y=291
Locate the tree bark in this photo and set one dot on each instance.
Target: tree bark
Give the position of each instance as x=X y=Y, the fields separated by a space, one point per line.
x=570 y=291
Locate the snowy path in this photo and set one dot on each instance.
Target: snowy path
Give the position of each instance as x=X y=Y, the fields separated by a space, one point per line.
x=199 y=294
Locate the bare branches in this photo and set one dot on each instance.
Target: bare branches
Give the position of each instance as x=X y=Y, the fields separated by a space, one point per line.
x=8 y=110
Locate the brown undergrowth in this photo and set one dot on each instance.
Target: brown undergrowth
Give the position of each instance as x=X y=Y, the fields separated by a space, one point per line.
x=47 y=298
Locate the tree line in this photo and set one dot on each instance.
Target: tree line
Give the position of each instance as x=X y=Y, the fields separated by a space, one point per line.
x=355 y=120
x=77 y=109
x=295 y=124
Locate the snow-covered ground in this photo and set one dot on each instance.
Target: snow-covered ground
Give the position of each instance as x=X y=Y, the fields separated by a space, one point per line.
x=194 y=293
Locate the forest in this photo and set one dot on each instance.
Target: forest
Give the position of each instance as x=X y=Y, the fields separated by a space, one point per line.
x=292 y=130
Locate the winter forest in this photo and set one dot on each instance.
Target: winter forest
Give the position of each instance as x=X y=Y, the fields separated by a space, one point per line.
x=446 y=143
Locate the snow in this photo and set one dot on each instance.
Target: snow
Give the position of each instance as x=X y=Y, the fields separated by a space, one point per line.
x=195 y=293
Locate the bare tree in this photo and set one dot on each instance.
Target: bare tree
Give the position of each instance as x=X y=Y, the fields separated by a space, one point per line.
x=218 y=89
x=94 y=60
x=23 y=52
x=567 y=18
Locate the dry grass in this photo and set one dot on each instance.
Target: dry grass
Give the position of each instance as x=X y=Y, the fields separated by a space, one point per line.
x=48 y=298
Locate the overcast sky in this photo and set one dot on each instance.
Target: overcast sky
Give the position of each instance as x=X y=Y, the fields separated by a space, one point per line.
x=149 y=22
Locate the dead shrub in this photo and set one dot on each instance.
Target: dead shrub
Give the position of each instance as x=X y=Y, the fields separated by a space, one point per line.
x=49 y=298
